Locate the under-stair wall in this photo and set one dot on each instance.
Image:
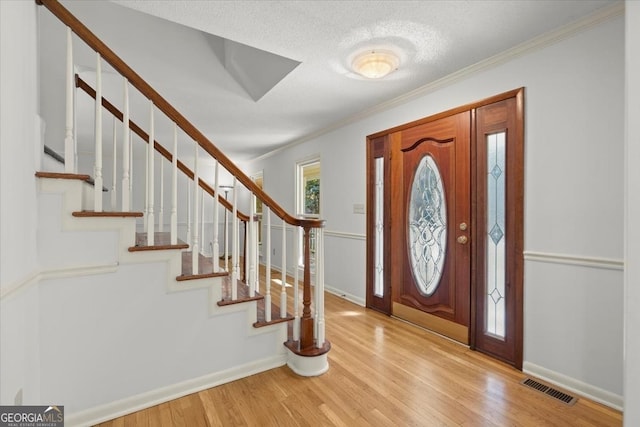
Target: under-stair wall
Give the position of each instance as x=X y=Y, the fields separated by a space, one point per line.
x=120 y=326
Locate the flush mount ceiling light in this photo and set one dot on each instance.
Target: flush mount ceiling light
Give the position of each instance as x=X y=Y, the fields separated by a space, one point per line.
x=375 y=64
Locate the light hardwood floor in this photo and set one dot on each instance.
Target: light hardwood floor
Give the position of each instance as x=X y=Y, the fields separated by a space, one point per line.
x=383 y=372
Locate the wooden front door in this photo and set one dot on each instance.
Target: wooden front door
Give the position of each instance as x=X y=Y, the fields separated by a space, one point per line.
x=432 y=225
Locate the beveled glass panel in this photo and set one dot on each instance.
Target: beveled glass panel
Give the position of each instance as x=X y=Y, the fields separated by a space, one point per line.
x=495 y=238
x=427 y=226
x=378 y=284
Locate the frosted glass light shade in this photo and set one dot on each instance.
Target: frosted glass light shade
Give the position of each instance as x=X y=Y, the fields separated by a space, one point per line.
x=375 y=64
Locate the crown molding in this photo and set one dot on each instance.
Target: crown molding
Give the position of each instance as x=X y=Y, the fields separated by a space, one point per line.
x=537 y=43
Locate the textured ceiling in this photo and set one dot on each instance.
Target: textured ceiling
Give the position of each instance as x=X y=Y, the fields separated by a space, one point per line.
x=168 y=43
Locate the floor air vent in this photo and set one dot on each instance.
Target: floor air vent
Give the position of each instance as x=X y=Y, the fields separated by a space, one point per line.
x=550 y=391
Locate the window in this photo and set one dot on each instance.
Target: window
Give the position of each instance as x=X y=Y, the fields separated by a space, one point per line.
x=308 y=200
x=308 y=187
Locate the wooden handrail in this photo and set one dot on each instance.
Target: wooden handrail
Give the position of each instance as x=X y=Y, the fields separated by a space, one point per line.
x=157 y=146
x=163 y=105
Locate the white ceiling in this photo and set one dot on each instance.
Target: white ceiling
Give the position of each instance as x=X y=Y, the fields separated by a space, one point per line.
x=170 y=45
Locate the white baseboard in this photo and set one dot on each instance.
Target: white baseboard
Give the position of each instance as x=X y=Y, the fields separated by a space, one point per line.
x=151 y=398
x=342 y=294
x=571 y=384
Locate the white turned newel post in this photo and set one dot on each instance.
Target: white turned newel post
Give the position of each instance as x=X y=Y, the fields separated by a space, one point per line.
x=174 y=188
x=296 y=295
x=126 y=207
x=69 y=145
x=320 y=287
x=150 y=181
x=267 y=247
x=161 y=211
x=249 y=240
x=256 y=254
x=114 y=194
x=283 y=294
x=234 y=250
x=195 y=249
x=97 y=168
x=216 y=212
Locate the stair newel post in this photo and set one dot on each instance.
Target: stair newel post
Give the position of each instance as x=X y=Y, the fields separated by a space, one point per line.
x=125 y=147
x=319 y=303
x=114 y=178
x=150 y=180
x=296 y=292
x=235 y=250
x=226 y=238
x=283 y=293
x=174 y=187
x=161 y=210
x=195 y=249
x=249 y=241
x=216 y=212
x=97 y=169
x=306 y=322
x=69 y=145
x=267 y=249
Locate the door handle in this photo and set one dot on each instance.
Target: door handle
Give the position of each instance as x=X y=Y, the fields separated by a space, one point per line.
x=462 y=239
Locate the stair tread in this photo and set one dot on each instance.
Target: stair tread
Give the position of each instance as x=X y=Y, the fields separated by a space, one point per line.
x=161 y=241
x=62 y=175
x=106 y=214
x=243 y=293
x=275 y=315
x=205 y=267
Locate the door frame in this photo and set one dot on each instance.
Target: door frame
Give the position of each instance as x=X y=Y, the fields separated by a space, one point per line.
x=517 y=182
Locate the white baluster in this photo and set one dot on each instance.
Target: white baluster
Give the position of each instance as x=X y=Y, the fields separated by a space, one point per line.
x=249 y=240
x=69 y=145
x=195 y=249
x=97 y=168
x=145 y=216
x=174 y=188
x=151 y=188
x=216 y=212
x=320 y=287
x=256 y=254
x=316 y=297
x=296 y=295
x=235 y=237
x=161 y=210
x=114 y=194
x=226 y=237
x=283 y=294
x=267 y=247
x=189 y=212
x=126 y=155
x=203 y=239
x=130 y=170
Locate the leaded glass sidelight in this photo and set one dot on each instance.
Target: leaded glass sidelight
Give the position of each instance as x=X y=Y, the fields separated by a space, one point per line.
x=378 y=287
x=427 y=225
x=495 y=237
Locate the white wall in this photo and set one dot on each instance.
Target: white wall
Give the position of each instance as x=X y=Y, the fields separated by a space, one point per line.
x=574 y=197
x=19 y=155
x=632 y=228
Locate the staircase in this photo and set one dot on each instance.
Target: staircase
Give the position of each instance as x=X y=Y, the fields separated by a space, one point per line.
x=140 y=314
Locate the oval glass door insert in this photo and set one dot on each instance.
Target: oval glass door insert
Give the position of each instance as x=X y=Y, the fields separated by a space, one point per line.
x=427 y=225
